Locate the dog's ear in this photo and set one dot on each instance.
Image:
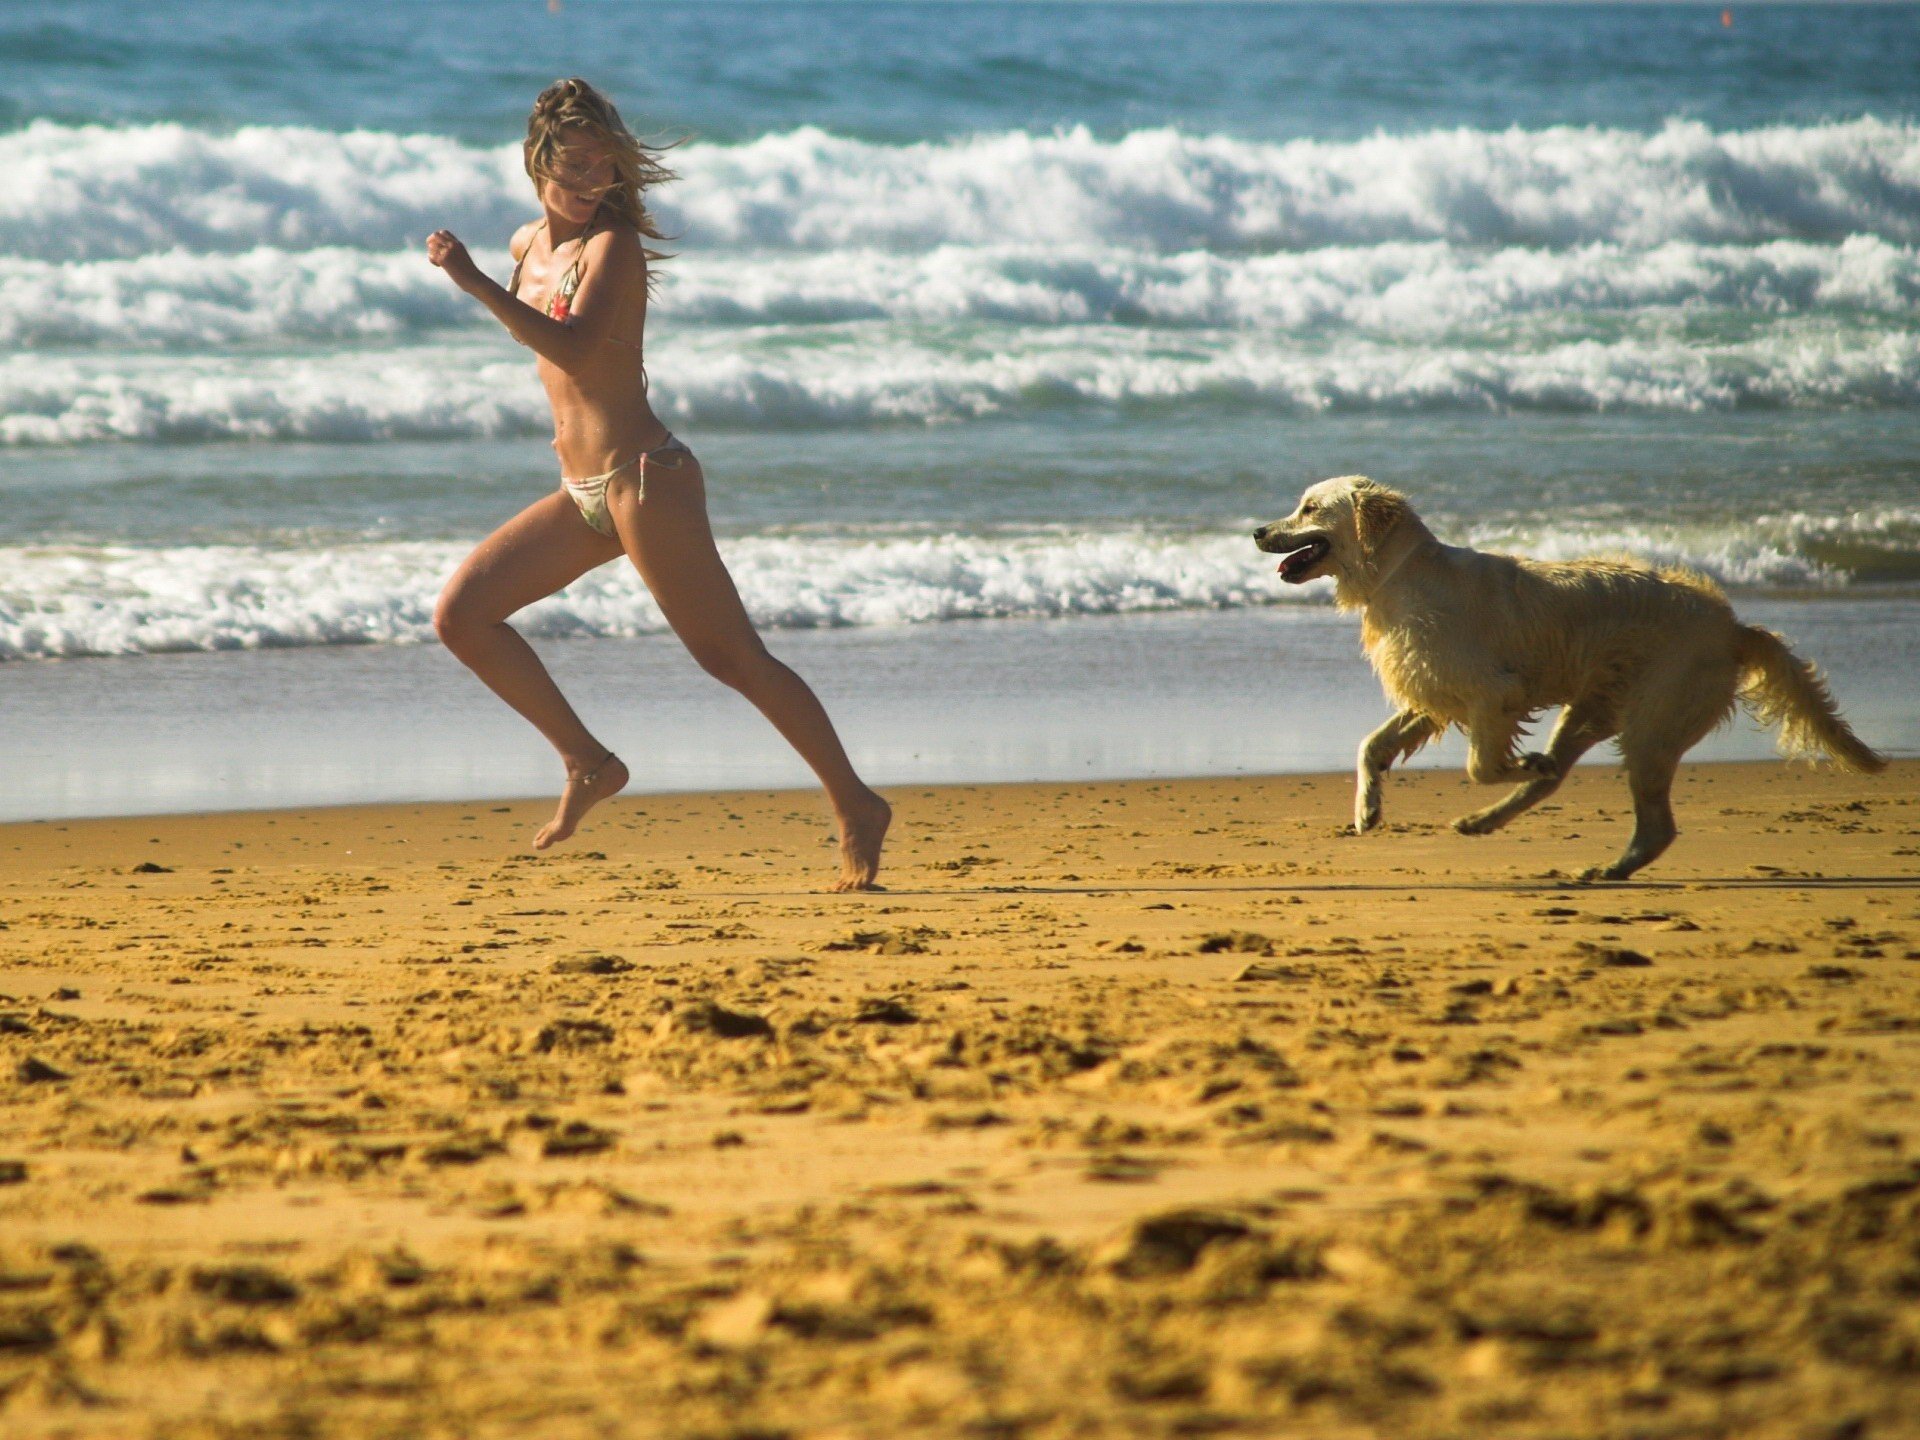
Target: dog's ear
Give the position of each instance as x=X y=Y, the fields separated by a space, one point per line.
x=1376 y=510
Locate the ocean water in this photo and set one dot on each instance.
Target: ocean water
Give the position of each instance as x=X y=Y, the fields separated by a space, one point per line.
x=982 y=316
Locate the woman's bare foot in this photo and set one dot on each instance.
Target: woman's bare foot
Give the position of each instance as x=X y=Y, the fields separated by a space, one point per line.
x=862 y=832
x=585 y=789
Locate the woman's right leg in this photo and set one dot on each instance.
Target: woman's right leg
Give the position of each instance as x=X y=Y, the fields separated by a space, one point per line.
x=670 y=541
x=542 y=549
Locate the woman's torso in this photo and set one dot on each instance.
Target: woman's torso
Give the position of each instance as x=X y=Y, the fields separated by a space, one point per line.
x=601 y=417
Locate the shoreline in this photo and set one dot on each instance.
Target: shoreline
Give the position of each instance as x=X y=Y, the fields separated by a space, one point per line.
x=504 y=824
x=1281 y=690
x=491 y=822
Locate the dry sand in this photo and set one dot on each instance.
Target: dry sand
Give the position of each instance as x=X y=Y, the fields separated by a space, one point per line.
x=1145 y=1109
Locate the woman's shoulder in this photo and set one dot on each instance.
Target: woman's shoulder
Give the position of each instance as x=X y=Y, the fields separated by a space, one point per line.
x=522 y=239
x=610 y=233
x=614 y=248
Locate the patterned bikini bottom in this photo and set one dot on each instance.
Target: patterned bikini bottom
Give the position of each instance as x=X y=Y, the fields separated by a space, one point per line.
x=590 y=494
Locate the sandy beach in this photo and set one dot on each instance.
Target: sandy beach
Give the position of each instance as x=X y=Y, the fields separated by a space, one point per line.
x=1136 y=1106
x=1131 y=1109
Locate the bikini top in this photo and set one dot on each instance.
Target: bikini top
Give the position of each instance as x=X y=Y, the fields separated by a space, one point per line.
x=561 y=303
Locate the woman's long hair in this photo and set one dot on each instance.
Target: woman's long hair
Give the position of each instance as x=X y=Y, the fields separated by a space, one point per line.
x=573 y=109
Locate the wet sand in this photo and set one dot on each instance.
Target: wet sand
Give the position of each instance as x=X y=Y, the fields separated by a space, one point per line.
x=1133 y=1109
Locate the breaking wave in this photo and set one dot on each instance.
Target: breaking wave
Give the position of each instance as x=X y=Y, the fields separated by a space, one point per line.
x=98 y=192
x=725 y=380
x=182 y=301
x=75 y=601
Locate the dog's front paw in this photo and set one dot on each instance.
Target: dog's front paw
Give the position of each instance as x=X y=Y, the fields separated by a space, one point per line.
x=1365 y=820
x=1535 y=763
x=1473 y=825
x=1602 y=874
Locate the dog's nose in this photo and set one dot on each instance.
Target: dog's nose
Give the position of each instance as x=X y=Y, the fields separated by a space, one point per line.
x=1258 y=533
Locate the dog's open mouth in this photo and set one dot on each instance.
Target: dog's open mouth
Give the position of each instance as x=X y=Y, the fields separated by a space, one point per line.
x=1294 y=568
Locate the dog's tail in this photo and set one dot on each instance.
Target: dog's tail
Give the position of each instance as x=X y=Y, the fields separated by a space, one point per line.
x=1783 y=690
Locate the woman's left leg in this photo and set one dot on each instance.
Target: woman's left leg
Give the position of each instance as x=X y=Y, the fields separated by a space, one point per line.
x=669 y=540
x=542 y=549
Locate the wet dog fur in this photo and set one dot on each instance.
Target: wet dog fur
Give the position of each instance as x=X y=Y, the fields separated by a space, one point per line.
x=1653 y=659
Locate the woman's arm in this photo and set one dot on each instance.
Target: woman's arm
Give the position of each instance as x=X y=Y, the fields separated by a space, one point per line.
x=613 y=260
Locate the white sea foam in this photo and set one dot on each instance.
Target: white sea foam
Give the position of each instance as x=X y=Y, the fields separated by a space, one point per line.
x=718 y=379
x=360 y=396
x=749 y=379
x=182 y=301
x=1396 y=288
x=1755 y=556
x=120 y=600
x=94 y=192
x=126 y=601
x=1170 y=191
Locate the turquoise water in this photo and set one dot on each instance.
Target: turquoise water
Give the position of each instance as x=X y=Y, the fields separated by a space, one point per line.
x=901 y=72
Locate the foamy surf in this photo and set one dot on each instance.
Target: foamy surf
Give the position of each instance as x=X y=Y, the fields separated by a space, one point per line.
x=181 y=301
x=77 y=601
x=96 y=192
x=855 y=377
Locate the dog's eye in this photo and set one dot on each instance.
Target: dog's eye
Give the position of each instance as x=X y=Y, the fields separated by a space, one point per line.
x=1308 y=507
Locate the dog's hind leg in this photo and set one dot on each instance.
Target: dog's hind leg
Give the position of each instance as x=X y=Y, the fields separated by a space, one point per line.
x=1579 y=729
x=1669 y=711
x=1650 y=773
x=1405 y=733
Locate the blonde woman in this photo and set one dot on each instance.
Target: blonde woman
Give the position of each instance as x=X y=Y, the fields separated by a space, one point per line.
x=578 y=300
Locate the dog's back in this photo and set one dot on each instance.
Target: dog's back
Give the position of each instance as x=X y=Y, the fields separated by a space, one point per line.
x=1552 y=631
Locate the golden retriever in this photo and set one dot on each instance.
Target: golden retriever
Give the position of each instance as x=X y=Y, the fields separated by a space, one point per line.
x=1651 y=658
